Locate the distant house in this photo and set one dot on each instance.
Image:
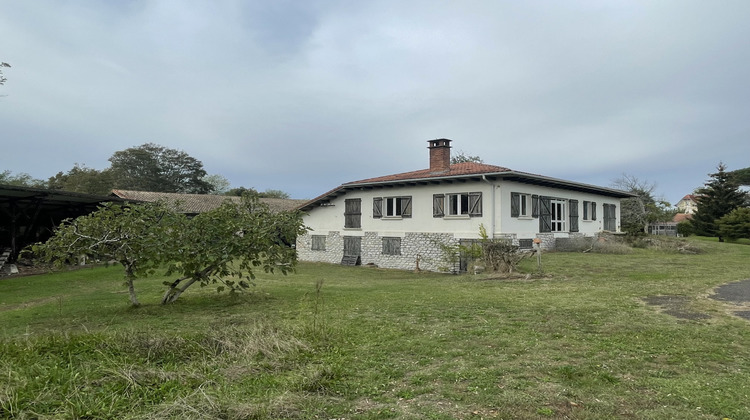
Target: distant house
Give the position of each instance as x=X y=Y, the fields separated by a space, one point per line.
x=688 y=204
x=193 y=204
x=402 y=220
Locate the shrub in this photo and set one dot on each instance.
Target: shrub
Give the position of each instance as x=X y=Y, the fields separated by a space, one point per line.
x=735 y=225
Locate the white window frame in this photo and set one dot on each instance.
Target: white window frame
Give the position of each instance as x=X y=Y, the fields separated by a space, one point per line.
x=559 y=214
x=524 y=205
x=461 y=201
x=588 y=206
x=392 y=207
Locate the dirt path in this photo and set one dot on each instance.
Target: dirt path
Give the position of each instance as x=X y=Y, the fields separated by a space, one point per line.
x=738 y=294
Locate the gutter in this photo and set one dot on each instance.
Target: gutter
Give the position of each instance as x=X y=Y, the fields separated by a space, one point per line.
x=492 y=198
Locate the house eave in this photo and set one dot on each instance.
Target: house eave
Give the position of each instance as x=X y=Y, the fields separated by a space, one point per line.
x=515 y=176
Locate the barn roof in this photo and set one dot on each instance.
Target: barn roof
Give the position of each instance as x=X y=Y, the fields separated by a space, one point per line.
x=199 y=203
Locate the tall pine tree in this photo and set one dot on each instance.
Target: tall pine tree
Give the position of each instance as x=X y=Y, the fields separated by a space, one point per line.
x=718 y=197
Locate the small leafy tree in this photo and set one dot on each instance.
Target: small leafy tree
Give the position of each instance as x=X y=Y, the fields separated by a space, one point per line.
x=135 y=235
x=219 y=184
x=462 y=157
x=637 y=212
x=226 y=245
x=21 y=179
x=736 y=224
x=271 y=193
x=499 y=254
x=82 y=179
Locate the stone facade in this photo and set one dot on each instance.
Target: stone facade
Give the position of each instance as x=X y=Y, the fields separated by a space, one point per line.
x=427 y=248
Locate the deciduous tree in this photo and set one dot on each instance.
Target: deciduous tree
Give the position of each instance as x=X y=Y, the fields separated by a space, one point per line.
x=138 y=236
x=226 y=245
x=151 y=167
x=219 y=184
x=637 y=212
x=462 y=157
x=21 y=179
x=83 y=180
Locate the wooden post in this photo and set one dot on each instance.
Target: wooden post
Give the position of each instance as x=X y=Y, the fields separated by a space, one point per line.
x=538 y=249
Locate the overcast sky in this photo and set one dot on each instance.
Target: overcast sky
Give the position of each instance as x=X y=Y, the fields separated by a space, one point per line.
x=302 y=96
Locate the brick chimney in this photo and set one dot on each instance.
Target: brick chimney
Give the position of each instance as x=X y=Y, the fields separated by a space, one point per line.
x=440 y=155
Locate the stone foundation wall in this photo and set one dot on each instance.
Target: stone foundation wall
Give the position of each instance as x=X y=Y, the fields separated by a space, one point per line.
x=333 y=253
x=425 y=247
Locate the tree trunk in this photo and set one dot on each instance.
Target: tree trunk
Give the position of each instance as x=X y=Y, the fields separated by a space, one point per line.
x=172 y=289
x=174 y=292
x=129 y=277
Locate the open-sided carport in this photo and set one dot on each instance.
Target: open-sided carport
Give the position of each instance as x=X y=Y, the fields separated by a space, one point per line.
x=29 y=215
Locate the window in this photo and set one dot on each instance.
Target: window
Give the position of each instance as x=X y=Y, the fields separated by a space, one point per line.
x=353 y=213
x=558 y=215
x=589 y=210
x=552 y=214
x=318 y=243
x=391 y=246
x=521 y=205
x=395 y=207
x=457 y=204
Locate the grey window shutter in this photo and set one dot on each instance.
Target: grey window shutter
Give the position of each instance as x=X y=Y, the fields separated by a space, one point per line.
x=573 y=212
x=438 y=205
x=405 y=206
x=534 y=205
x=545 y=214
x=475 y=204
x=353 y=213
x=593 y=210
x=515 y=204
x=377 y=207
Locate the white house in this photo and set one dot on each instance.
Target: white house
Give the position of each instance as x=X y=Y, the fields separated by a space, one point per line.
x=403 y=220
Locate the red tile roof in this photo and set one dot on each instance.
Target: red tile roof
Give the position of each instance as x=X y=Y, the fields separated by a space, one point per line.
x=457 y=169
x=681 y=217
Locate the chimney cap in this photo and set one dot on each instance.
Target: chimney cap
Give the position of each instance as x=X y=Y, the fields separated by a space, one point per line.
x=439 y=143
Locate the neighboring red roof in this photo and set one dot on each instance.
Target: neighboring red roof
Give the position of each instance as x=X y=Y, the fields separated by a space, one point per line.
x=690 y=197
x=457 y=169
x=681 y=217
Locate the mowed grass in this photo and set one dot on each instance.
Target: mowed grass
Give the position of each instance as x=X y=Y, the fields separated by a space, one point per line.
x=333 y=342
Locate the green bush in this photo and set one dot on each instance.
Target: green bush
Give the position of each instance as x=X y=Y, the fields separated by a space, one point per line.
x=735 y=225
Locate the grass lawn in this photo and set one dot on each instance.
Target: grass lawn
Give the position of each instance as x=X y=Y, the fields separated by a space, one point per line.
x=333 y=342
